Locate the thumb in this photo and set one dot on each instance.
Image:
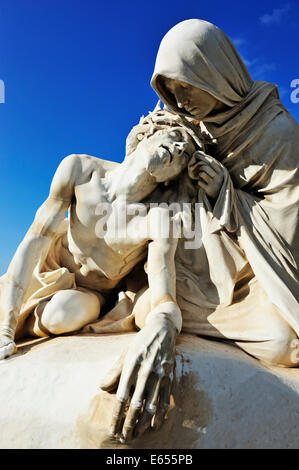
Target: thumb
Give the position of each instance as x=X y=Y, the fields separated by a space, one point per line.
x=110 y=380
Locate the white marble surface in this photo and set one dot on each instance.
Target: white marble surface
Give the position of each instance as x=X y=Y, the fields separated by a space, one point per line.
x=50 y=397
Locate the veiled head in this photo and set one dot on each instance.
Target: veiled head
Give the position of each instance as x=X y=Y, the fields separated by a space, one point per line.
x=198 y=54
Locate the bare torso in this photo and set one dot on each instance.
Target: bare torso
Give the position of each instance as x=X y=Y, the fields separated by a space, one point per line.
x=98 y=262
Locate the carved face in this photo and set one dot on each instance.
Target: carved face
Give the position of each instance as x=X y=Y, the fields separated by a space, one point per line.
x=192 y=100
x=167 y=153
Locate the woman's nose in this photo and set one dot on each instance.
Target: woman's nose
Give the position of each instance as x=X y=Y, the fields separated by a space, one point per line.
x=180 y=99
x=181 y=103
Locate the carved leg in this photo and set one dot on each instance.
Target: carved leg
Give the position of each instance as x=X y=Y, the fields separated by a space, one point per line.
x=68 y=310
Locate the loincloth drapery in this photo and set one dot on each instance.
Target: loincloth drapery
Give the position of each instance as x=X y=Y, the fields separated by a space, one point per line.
x=52 y=276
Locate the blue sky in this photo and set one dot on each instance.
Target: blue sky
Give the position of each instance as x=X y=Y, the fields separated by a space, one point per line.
x=77 y=76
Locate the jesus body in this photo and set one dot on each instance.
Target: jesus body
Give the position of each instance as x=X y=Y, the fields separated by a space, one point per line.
x=81 y=185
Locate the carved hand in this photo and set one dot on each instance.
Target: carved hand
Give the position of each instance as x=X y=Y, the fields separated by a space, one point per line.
x=7 y=347
x=145 y=380
x=209 y=173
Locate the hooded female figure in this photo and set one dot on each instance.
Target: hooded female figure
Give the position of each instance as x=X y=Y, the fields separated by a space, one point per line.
x=243 y=282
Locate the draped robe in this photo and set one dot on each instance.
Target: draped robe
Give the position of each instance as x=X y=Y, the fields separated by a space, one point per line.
x=247 y=267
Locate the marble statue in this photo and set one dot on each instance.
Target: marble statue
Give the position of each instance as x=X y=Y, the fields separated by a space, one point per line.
x=225 y=143
x=64 y=270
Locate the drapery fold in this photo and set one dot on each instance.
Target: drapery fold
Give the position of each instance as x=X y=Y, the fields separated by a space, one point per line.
x=253 y=225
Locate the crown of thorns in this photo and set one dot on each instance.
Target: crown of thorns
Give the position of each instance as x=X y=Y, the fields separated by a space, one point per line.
x=161 y=119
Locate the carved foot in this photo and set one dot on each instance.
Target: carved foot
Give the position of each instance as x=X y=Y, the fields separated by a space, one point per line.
x=7 y=347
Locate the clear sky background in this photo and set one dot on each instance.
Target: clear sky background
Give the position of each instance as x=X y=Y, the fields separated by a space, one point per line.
x=77 y=76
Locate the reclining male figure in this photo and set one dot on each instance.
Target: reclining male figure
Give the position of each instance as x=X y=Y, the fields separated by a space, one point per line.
x=81 y=184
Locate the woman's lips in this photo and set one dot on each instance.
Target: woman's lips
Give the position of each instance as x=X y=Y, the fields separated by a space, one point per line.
x=192 y=110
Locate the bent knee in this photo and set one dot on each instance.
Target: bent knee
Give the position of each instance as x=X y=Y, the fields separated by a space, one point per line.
x=69 y=311
x=56 y=322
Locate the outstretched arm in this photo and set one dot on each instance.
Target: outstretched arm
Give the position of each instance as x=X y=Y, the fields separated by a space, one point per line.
x=147 y=371
x=34 y=249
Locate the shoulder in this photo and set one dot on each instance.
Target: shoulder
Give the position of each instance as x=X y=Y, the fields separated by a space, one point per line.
x=283 y=127
x=80 y=165
x=74 y=165
x=77 y=169
x=67 y=175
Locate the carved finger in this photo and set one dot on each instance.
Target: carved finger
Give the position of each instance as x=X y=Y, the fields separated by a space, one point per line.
x=203 y=157
x=117 y=418
x=123 y=423
x=133 y=413
x=150 y=406
x=164 y=403
x=205 y=177
x=135 y=404
x=202 y=185
x=200 y=155
x=129 y=424
x=153 y=394
x=159 y=418
x=165 y=391
x=139 y=392
x=211 y=161
x=143 y=381
x=214 y=164
x=144 y=423
x=208 y=170
x=127 y=379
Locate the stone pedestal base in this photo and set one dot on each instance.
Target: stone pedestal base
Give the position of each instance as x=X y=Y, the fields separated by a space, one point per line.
x=222 y=398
